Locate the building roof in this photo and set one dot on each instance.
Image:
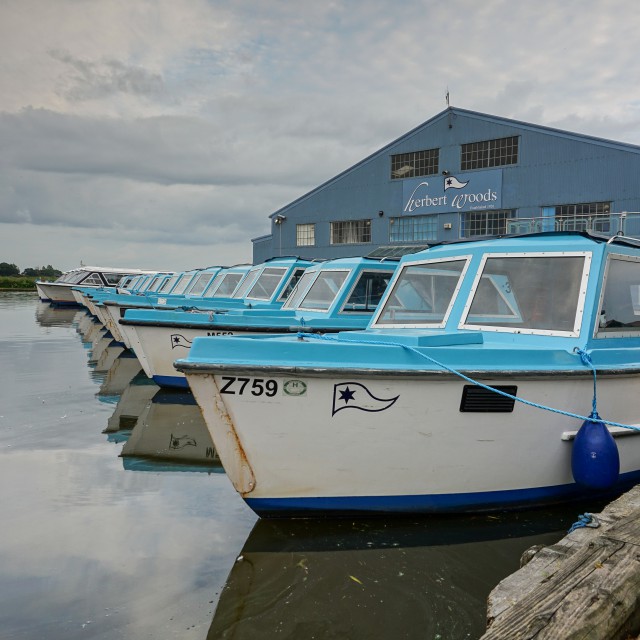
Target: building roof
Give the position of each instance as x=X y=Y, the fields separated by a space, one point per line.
x=455 y=112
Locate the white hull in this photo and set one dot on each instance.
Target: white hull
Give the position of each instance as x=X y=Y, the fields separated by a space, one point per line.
x=420 y=448
x=159 y=347
x=56 y=293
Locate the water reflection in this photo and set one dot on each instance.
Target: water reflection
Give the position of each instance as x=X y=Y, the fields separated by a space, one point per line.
x=48 y=316
x=131 y=403
x=88 y=550
x=170 y=434
x=374 y=579
x=122 y=373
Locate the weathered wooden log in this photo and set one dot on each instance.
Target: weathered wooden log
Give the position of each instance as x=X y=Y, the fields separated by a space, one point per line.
x=585 y=587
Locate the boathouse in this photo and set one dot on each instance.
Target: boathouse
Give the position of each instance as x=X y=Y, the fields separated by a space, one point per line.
x=462 y=175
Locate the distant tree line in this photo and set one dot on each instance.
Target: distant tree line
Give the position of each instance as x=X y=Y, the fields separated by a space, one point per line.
x=10 y=269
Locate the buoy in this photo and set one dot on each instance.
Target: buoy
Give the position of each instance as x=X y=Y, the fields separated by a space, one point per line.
x=595 y=461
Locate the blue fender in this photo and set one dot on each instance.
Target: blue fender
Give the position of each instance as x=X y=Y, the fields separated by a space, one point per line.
x=595 y=461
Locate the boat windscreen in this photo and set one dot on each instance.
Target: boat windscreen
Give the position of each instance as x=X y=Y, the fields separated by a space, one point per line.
x=266 y=283
x=324 y=290
x=300 y=289
x=538 y=292
x=224 y=285
x=200 y=284
x=113 y=278
x=423 y=294
x=291 y=285
x=620 y=307
x=167 y=284
x=92 y=280
x=247 y=283
x=181 y=285
x=367 y=292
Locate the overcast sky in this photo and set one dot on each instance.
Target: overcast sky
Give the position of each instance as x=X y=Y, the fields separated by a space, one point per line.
x=162 y=133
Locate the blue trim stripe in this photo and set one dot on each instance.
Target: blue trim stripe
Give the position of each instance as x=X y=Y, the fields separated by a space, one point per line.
x=432 y=504
x=172 y=382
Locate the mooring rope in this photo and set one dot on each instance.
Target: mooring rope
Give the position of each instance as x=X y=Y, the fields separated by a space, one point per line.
x=585 y=520
x=584 y=356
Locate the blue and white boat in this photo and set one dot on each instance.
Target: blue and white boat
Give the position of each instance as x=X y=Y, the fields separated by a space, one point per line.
x=483 y=382
x=265 y=286
x=336 y=295
x=60 y=291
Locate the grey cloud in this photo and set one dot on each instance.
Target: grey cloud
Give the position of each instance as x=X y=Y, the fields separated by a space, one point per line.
x=91 y=80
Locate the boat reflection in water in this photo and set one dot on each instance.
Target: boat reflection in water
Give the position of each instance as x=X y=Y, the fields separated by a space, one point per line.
x=121 y=374
x=360 y=579
x=132 y=402
x=48 y=316
x=170 y=434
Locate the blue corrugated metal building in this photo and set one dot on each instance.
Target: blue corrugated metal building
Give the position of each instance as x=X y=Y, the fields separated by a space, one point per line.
x=462 y=174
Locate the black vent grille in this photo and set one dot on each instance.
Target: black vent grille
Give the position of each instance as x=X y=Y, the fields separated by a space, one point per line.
x=479 y=400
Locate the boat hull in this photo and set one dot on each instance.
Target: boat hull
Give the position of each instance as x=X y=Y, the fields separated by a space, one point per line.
x=327 y=443
x=159 y=346
x=57 y=293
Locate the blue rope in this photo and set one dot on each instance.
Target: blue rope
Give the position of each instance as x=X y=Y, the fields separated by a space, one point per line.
x=585 y=520
x=593 y=418
x=586 y=360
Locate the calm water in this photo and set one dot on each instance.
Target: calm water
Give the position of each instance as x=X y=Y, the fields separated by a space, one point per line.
x=100 y=540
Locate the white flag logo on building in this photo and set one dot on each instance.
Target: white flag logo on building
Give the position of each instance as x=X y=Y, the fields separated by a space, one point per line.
x=451 y=182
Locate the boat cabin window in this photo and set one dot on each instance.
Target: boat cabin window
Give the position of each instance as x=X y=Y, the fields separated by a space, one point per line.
x=77 y=276
x=620 y=305
x=367 y=292
x=224 y=285
x=93 y=279
x=200 y=284
x=267 y=283
x=423 y=294
x=291 y=285
x=113 y=278
x=132 y=283
x=324 y=290
x=247 y=283
x=167 y=284
x=155 y=283
x=181 y=285
x=300 y=289
x=146 y=287
x=530 y=292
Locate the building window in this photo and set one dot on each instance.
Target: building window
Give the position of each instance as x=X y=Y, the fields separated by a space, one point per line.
x=584 y=209
x=351 y=232
x=486 y=223
x=305 y=235
x=490 y=153
x=413 y=229
x=593 y=216
x=415 y=164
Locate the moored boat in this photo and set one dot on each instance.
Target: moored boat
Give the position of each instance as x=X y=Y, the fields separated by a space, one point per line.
x=336 y=295
x=495 y=374
x=60 y=291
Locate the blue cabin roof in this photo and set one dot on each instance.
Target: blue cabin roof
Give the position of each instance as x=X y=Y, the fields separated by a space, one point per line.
x=526 y=303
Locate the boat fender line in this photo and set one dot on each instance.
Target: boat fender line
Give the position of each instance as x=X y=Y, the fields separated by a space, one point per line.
x=595 y=460
x=535 y=405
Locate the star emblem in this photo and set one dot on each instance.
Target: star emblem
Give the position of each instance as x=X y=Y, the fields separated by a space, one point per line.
x=346 y=394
